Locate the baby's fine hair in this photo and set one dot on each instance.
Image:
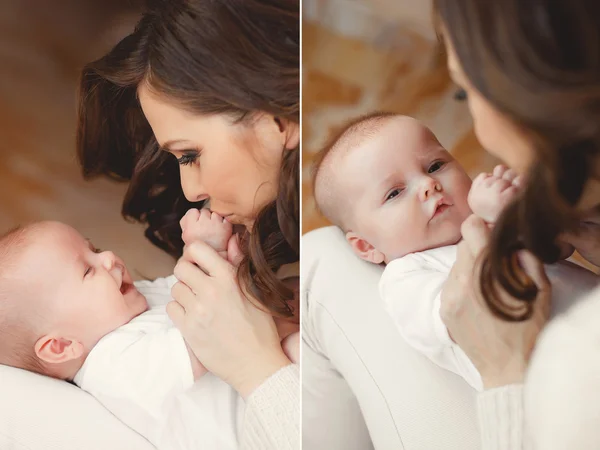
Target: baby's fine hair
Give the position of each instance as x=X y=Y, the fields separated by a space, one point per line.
x=17 y=339
x=328 y=198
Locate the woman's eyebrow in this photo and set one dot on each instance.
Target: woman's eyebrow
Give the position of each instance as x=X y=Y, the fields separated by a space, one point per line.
x=167 y=145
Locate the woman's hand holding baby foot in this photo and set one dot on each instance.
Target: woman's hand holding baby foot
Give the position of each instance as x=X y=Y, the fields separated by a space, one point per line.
x=206 y=226
x=229 y=331
x=490 y=193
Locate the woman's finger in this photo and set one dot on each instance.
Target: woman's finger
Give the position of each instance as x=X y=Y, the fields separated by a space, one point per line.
x=234 y=253
x=534 y=269
x=176 y=313
x=476 y=234
x=186 y=298
x=207 y=259
x=179 y=289
x=190 y=275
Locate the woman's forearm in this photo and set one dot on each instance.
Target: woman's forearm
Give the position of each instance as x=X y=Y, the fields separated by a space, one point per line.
x=272 y=419
x=500 y=412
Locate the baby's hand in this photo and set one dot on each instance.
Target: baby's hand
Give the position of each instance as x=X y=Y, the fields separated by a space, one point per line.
x=208 y=227
x=490 y=193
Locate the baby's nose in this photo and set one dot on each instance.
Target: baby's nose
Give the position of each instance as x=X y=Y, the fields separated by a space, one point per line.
x=429 y=186
x=108 y=259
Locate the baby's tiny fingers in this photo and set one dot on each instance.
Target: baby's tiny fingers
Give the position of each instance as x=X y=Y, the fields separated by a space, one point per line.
x=479 y=178
x=215 y=216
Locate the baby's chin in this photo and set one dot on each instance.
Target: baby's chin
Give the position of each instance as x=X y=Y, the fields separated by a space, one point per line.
x=136 y=302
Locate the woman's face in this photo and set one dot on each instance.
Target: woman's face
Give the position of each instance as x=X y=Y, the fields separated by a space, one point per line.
x=235 y=166
x=496 y=133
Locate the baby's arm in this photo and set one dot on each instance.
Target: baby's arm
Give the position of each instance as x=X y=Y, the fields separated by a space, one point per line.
x=139 y=370
x=410 y=289
x=490 y=193
x=204 y=225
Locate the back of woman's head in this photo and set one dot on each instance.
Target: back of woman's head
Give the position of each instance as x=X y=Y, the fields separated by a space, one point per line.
x=537 y=62
x=234 y=57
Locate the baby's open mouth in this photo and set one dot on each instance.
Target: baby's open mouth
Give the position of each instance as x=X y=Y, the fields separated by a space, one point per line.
x=125 y=288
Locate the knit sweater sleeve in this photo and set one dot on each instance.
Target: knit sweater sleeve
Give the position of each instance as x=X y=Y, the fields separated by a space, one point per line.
x=500 y=413
x=272 y=419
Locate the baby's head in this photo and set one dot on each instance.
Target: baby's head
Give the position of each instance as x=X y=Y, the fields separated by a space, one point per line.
x=58 y=297
x=393 y=189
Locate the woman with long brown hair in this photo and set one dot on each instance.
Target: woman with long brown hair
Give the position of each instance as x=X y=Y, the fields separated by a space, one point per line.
x=531 y=72
x=199 y=107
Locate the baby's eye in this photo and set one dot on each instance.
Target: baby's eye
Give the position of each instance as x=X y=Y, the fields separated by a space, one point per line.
x=188 y=158
x=436 y=166
x=393 y=194
x=88 y=271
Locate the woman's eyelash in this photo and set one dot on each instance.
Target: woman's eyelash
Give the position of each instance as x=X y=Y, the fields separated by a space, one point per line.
x=188 y=158
x=460 y=95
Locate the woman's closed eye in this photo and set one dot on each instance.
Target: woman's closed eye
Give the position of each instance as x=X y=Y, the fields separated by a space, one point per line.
x=435 y=166
x=189 y=157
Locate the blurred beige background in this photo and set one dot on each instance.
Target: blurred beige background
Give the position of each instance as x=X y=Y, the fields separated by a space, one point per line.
x=43 y=45
x=361 y=56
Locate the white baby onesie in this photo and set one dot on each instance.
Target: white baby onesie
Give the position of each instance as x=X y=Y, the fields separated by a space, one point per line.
x=411 y=288
x=138 y=369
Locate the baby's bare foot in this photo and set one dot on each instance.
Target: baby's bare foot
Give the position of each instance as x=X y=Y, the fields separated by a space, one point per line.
x=206 y=226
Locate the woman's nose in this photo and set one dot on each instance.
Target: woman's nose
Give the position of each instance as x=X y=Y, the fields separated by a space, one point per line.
x=428 y=187
x=192 y=188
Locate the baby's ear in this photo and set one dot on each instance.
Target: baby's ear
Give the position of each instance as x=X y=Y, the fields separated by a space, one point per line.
x=363 y=249
x=58 y=350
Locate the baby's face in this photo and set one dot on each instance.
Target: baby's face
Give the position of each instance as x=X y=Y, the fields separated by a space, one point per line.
x=87 y=293
x=407 y=191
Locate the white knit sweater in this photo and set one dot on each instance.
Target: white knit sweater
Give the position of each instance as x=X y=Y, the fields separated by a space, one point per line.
x=501 y=418
x=558 y=407
x=272 y=419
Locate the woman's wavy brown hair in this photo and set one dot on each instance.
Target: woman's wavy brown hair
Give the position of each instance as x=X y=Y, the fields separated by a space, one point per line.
x=538 y=63
x=233 y=57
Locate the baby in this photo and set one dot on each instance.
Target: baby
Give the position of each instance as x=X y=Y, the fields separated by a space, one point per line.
x=72 y=312
x=401 y=198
